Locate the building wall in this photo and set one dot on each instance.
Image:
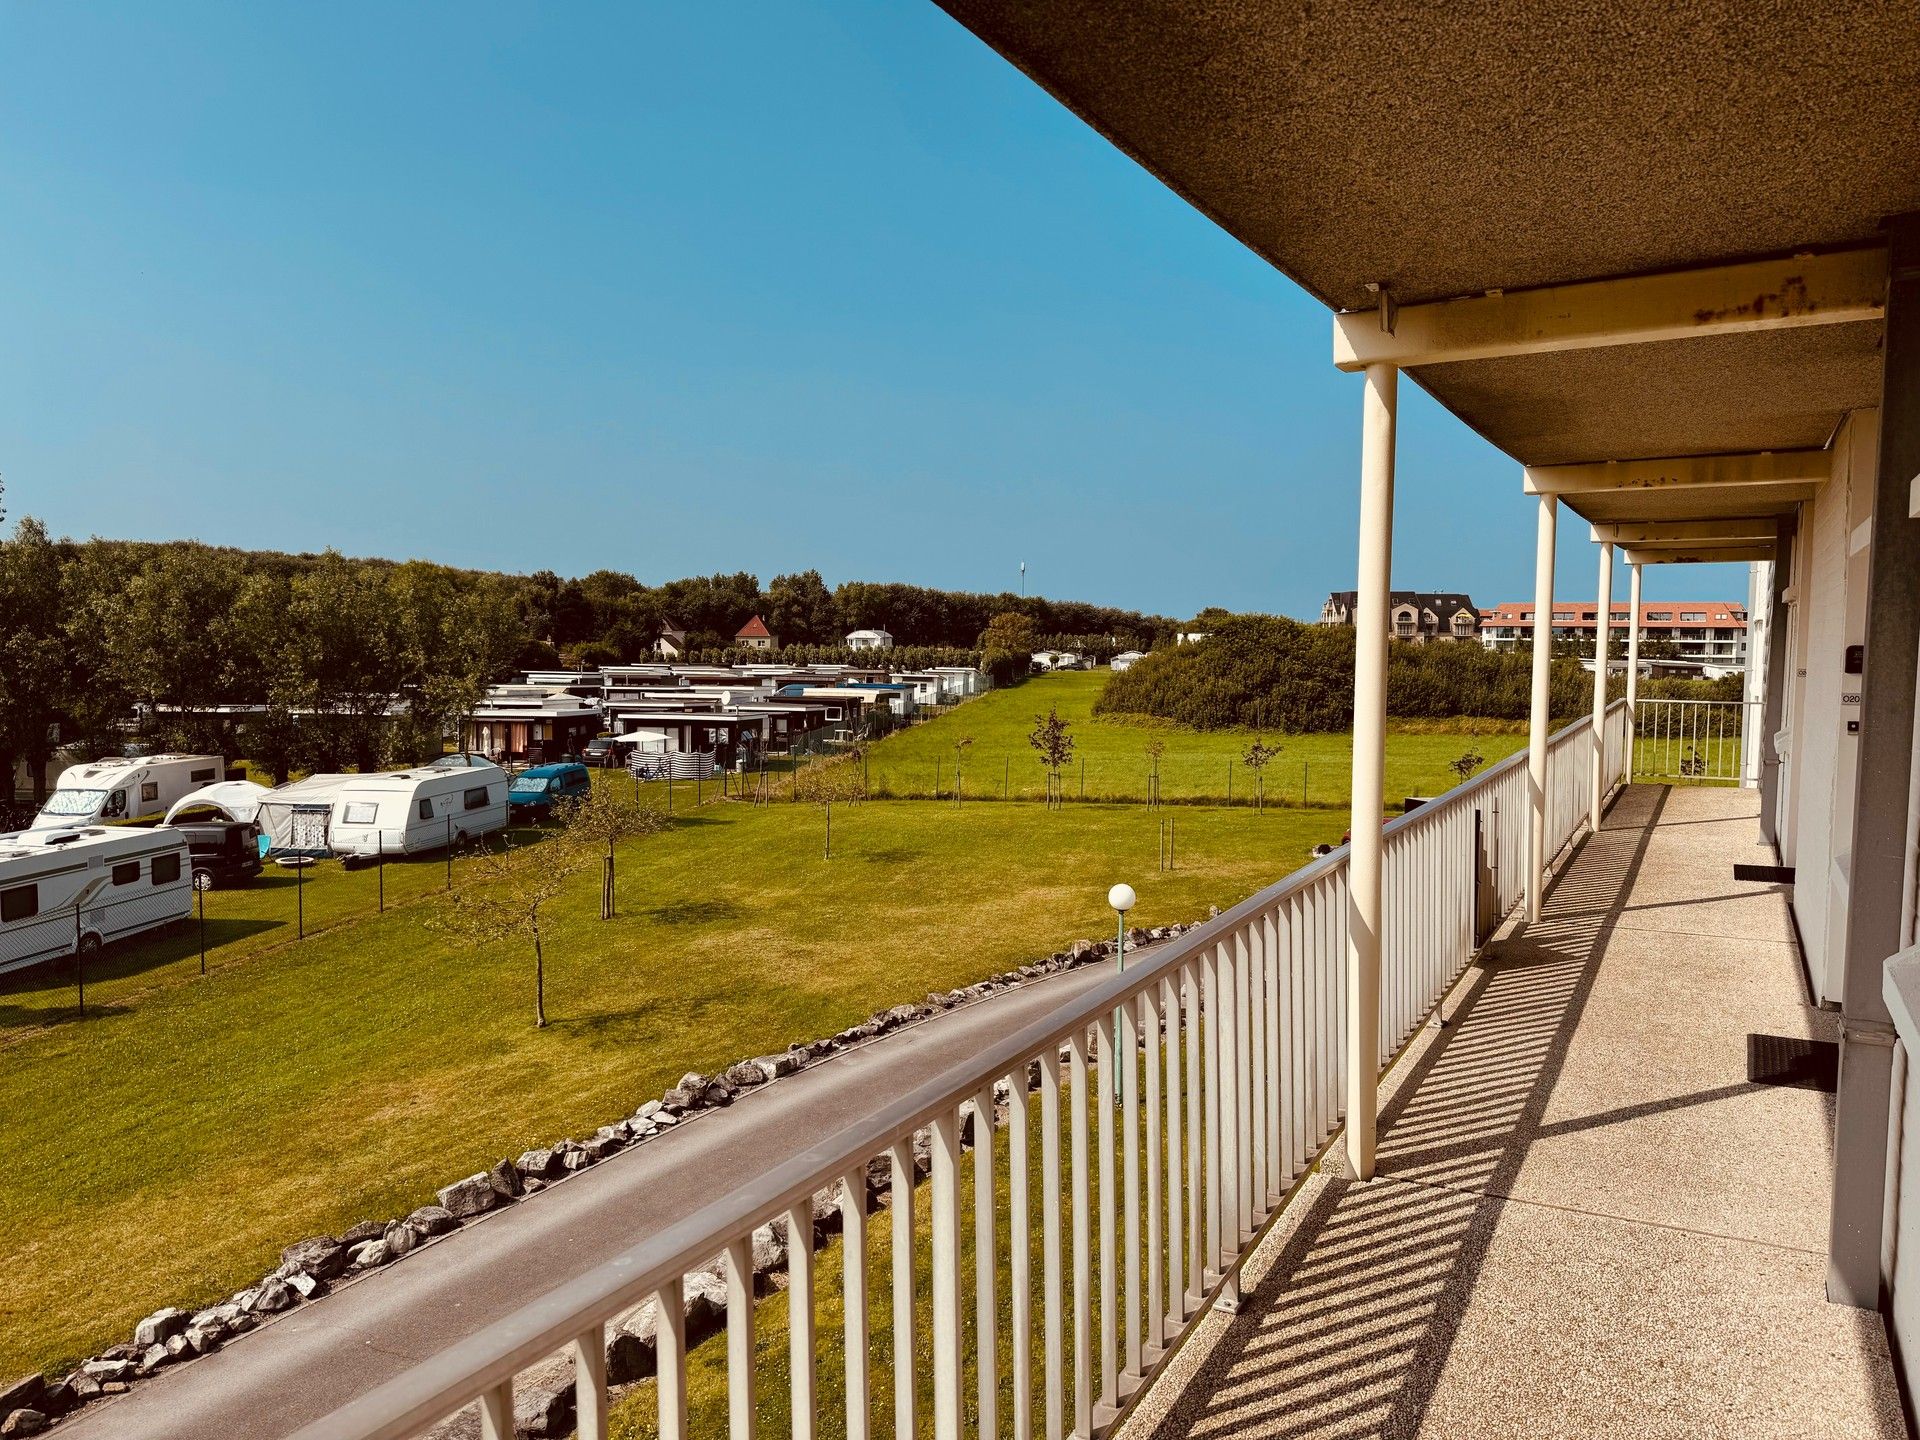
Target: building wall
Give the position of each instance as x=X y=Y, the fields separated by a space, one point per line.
x=1831 y=593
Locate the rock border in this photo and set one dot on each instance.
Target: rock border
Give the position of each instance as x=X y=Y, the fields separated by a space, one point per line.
x=309 y=1268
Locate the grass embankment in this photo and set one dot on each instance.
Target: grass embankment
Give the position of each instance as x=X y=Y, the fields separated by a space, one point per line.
x=1110 y=759
x=163 y=1150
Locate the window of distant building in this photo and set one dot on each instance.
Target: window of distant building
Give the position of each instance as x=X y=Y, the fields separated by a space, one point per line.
x=1692 y=615
x=1563 y=615
x=1659 y=615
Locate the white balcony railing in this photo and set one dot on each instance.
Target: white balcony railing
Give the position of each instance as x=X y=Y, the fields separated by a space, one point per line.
x=1699 y=740
x=1145 y=1207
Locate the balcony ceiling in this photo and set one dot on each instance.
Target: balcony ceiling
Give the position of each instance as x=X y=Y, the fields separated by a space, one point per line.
x=1449 y=150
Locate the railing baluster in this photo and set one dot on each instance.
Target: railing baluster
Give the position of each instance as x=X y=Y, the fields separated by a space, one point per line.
x=1106 y=1090
x=947 y=1403
x=670 y=1359
x=590 y=1383
x=496 y=1412
x=1232 y=1195
x=742 y=1388
x=1129 y=1060
x=1274 y=1088
x=1175 y=1159
x=853 y=1278
x=801 y=1350
x=986 y=1338
x=1190 y=987
x=1210 y=1004
x=1253 y=1065
x=1156 y=1248
x=1019 y=1254
x=900 y=1195
x=1053 y=1296
x=1082 y=1238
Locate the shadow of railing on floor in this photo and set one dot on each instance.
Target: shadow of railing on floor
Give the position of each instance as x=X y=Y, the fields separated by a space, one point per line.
x=1347 y=1333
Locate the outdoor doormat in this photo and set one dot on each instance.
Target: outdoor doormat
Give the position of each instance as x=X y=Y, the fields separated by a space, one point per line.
x=1788 y=1060
x=1766 y=874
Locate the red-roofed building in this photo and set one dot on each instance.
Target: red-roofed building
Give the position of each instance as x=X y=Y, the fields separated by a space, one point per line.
x=754 y=635
x=1709 y=632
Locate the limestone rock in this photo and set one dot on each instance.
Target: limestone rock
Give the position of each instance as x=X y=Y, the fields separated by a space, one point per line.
x=272 y=1296
x=539 y=1164
x=544 y=1414
x=505 y=1180
x=24 y=1421
x=26 y=1393
x=321 y=1256
x=472 y=1196
x=159 y=1327
x=432 y=1220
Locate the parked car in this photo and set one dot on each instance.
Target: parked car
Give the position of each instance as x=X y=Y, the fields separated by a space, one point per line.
x=222 y=852
x=534 y=792
x=603 y=752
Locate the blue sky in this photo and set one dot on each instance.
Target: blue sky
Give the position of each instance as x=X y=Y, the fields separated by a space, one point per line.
x=672 y=289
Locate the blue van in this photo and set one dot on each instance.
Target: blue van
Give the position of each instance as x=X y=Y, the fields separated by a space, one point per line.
x=535 y=791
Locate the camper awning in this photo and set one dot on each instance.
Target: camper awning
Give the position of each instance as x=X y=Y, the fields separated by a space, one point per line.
x=235 y=799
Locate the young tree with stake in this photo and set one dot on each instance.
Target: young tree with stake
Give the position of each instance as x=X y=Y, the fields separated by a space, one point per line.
x=826 y=781
x=1052 y=738
x=597 y=822
x=1259 y=755
x=503 y=897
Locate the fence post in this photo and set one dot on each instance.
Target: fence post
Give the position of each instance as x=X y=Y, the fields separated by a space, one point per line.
x=79 y=959
x=1006 y=780
x=449 y=852
x=300 y=898
x=380 y=865
x=200 y=897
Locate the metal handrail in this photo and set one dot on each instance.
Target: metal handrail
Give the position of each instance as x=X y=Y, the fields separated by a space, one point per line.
x=477 y=1366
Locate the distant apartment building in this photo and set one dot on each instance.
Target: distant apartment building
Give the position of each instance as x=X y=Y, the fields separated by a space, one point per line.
x=1703 y=632
x=1417 y=615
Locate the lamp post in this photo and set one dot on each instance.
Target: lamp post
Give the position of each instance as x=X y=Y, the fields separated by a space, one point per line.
x=1122 y=899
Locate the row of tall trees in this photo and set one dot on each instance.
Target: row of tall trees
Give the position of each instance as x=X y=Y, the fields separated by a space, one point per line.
x=609 y=617
x=339 y=661
x=368 y=662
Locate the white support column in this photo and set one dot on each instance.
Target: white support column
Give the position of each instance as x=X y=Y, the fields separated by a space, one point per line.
x=1602 y=627
x=1364 y=909
x=1537 y=715
x=1633 y=650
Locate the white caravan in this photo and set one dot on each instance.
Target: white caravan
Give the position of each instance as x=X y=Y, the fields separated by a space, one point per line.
x=123 y=788
x=402 y=812
x=68 y=890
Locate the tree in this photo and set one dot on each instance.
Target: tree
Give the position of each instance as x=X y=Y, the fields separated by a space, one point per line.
x=1467 y=763
x=1155 y=748
x=800 y=610
x=841 y=778
x=503 y=898
x=34 y=669
x=174 y=641
x=1006 y=647
x=1052 y=738
x=350 y=662
x=600 y=820
x=1259 y=755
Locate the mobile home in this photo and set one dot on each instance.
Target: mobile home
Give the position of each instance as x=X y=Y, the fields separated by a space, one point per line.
x=402 y=812
x=122 y=788
x=63 y=891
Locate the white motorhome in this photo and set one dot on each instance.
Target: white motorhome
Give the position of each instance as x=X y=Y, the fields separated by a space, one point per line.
x=122 y=788
x=68 y=890
x=402 y=812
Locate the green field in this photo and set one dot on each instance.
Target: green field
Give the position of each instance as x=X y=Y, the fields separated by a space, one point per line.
x=166 y=1147
x=1110 y=761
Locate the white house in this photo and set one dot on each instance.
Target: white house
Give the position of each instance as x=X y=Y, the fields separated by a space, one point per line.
x=869 y=640
x=1125 y=660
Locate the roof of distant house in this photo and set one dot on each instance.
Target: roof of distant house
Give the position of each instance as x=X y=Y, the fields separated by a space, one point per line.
x=754 y=629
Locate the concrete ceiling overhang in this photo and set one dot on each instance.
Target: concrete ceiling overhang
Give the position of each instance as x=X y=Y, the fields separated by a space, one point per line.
x=1449 y=150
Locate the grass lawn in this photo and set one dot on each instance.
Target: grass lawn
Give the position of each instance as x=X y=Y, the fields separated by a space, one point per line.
x=163 y=1150
x=1110 y=759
